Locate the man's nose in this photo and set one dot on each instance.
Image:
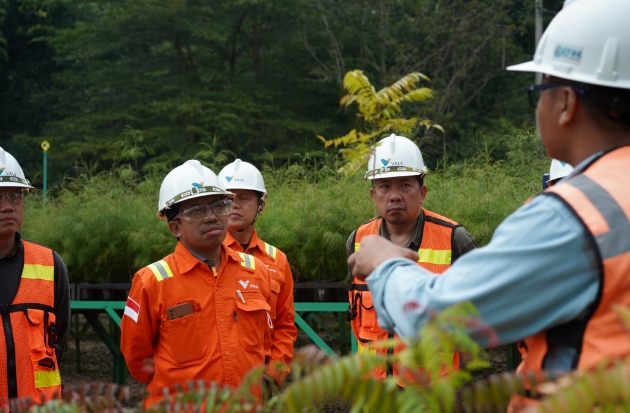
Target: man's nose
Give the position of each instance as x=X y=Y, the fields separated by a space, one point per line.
x=212 y=217
x=394 y=195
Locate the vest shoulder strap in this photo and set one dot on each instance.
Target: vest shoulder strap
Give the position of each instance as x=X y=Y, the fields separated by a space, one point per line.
x=248 y=262
x=439 y=219
x=161 y=270
x=271 y=251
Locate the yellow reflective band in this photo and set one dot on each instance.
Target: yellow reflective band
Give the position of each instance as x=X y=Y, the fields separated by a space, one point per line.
x=357 y=245
x=161 y=270
x=435 y=256
x=39 y=272
x=248 y=261
x=365 y=350
x=47 y=379
x=271 y=250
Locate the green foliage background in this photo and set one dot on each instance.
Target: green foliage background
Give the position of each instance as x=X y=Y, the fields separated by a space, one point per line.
x=105 y=227
x=261 y=75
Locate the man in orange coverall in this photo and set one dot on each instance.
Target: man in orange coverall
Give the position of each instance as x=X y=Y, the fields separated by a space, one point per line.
x=201 y=313
x=247 y=183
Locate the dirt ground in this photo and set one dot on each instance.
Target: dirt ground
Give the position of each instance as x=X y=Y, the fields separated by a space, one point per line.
x=97 y=361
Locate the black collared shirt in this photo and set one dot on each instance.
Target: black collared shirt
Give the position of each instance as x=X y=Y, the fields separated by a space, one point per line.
x=10 y=276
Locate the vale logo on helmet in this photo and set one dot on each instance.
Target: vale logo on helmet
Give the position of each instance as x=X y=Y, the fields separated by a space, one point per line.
x=389 y=162
x=231 y=178
x=570 y=54
x=2 y=170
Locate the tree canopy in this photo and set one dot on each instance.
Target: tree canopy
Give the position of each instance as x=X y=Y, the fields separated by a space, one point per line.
x=253 y=76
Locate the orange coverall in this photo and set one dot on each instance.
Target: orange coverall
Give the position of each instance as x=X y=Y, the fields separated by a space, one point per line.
x=221 y=341
x=284 y=332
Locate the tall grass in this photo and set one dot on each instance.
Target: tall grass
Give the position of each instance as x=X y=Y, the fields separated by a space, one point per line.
x=104 y=224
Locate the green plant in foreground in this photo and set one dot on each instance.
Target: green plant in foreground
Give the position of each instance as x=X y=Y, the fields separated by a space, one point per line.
x=606 y=388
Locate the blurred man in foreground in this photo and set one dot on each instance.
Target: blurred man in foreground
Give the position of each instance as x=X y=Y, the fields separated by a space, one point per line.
x=556 y=267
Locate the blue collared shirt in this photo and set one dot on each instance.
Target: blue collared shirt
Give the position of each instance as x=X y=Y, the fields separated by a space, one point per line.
x=538 y=271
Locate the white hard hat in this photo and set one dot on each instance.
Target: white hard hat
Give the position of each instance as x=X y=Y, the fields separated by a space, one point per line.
x=588 y=41
x=187 y=181
x=395 y=156
x=10 y=172
x=559 y=169
x=242 y=175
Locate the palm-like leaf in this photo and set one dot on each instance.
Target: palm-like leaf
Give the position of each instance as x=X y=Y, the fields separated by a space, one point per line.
x=381 y=111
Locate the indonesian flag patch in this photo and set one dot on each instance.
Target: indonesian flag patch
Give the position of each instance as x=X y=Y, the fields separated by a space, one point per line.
x=132 y=309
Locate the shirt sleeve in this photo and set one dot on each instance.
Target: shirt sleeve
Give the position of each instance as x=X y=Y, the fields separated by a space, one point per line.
x=538 y=271
x=138 y=331
x=350 y=250
x=463 y=242
x=62 y=304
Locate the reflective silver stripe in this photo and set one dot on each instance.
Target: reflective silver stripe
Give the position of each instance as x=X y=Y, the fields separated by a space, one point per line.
x=161 y=269
x=617 y=240
x=248 y=263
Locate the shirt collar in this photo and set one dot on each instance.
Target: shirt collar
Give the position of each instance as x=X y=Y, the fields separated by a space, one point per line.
x=231 y=242
x=18 y=240
x=187 y=260
x=416 y=236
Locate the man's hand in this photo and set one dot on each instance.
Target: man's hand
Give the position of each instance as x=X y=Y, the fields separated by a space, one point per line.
x=374 y=251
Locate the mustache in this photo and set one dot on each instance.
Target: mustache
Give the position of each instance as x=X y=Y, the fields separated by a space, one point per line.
x=212 y=227
x=398 y=205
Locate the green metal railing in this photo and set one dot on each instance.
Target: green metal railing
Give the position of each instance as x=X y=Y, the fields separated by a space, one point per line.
x=305 y=318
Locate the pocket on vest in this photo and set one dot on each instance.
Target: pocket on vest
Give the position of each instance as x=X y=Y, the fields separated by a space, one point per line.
x=42 y=353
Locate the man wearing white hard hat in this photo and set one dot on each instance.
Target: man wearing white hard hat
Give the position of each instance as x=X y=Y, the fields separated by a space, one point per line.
x=34 y=300
x=396 y=170
x=202 y=312
x=556 y=268
x=250 y=195
x=557 y=171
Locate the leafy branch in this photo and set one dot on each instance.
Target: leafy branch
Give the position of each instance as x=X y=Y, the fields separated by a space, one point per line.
x=381 y=111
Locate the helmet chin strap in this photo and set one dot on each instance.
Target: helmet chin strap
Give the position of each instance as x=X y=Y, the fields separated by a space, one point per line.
x=258 y=211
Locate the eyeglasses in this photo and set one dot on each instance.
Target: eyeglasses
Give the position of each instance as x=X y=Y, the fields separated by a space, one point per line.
x=533 y=92
x=14 y=197
x=199 y=212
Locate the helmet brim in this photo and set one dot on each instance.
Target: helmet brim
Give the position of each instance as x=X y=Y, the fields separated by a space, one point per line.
x=394 y=175
x=162 y=214
x=530 y=66
x=15 y=185
x=247 y=188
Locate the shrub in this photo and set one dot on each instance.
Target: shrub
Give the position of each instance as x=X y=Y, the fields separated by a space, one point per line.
x=104 y=224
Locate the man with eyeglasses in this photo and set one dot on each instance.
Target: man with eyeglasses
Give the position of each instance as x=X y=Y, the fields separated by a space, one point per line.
x=202 y=312
x=557 y=267
x=34 y=300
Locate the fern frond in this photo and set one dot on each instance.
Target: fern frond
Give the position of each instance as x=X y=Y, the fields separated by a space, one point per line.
x=607 y=388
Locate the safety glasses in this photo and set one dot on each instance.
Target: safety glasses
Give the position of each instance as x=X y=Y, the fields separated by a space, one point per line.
x=199 y=212
x=533 y=92
x=14 y=197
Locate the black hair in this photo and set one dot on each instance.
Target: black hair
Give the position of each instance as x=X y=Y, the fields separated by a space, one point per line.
x=608 y=106
x=172 y=212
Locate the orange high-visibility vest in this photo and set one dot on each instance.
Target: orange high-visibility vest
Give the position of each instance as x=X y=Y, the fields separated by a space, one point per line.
x=600 y=199
x=435 y=255
x=28 y=335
